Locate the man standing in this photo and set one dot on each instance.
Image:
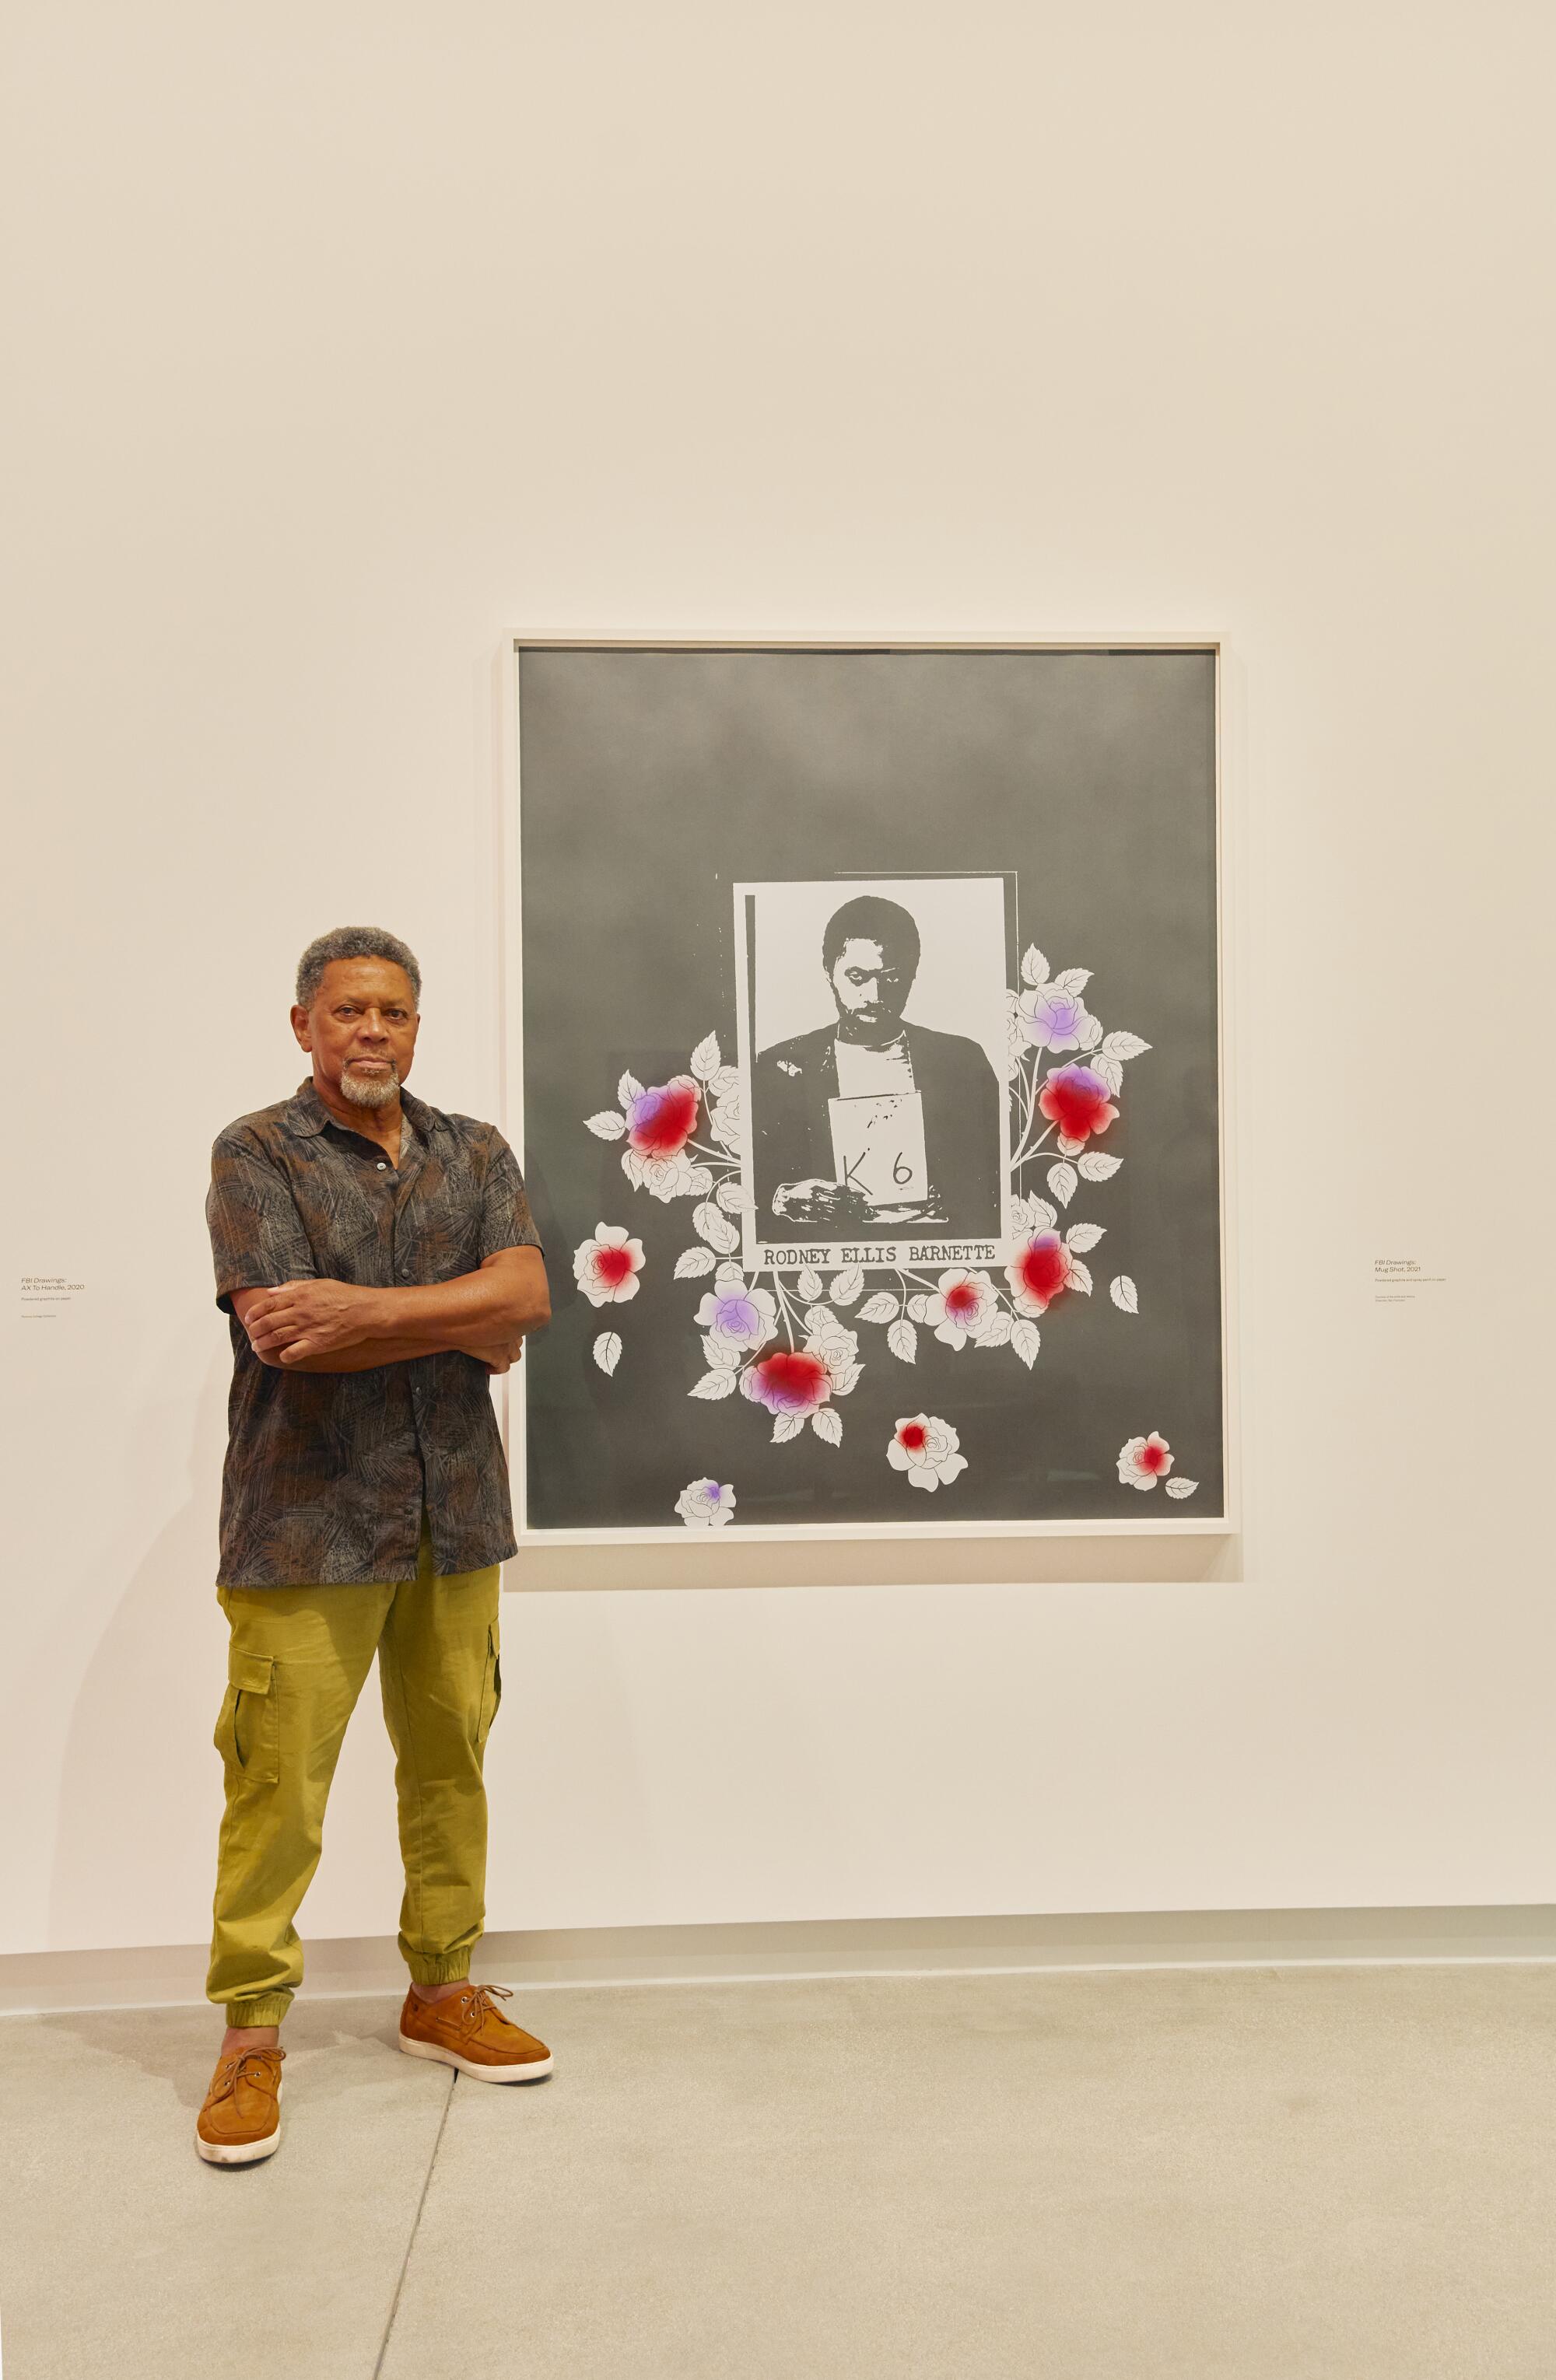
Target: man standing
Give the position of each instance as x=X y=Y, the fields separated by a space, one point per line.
x=869 y=957
x=378 y=1262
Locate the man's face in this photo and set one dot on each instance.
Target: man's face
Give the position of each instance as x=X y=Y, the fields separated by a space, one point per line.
x=871 y=986
x=361 y=1031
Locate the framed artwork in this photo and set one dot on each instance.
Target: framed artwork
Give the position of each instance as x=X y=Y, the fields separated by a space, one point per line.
x=864 y=1020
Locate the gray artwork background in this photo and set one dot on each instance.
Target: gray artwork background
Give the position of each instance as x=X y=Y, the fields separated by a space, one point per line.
x=653 y=780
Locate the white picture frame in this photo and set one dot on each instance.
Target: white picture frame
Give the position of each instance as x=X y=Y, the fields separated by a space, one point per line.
x=945 y=1522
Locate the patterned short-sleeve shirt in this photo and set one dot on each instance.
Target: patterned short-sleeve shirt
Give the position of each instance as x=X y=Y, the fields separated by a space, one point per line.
x=327 y=1471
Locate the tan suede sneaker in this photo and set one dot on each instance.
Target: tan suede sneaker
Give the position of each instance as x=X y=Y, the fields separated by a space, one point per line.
x=468 y=2031
x=240 y=2121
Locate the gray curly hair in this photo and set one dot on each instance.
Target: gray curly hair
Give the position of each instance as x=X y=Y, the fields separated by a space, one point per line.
x=353 y=943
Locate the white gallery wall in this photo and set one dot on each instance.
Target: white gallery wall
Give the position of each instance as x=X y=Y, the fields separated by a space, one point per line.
x=344 y=340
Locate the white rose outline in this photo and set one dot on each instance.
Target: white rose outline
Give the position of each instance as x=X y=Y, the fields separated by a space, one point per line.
x=606 y=1267
x=1143 y=1461
x=706 y=1504
x=928 y=1448
x=962 y=1307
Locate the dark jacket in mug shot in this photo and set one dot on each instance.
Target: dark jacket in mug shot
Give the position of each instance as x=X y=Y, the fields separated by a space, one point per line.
x=792 y=1081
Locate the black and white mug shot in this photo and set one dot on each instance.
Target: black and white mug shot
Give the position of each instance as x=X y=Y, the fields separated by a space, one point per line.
x=874 y=1121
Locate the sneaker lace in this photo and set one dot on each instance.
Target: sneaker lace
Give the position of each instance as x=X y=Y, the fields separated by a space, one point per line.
x=244 y=2065
x=482 y=2003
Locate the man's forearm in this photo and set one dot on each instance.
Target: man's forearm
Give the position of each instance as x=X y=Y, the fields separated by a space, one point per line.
x=372 y=1355
x=474 y=1306
x=318 y=1322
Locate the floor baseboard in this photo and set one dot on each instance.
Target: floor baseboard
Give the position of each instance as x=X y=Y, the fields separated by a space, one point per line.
x=35 y=1982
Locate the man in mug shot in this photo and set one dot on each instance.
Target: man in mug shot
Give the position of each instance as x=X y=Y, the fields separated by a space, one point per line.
x=378 y=1263
x=869 y=957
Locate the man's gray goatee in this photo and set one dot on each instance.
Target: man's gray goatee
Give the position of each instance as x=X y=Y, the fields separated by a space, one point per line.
x=369 y=1090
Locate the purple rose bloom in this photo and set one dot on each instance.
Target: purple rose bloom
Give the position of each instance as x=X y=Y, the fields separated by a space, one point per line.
x=745 y=1317
x=706 y=1504
x=1053 y=1019
x=660 y=1121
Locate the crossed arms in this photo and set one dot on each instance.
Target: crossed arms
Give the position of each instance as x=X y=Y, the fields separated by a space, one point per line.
x=333 y=1326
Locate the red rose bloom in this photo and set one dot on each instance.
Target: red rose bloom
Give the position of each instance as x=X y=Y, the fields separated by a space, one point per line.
x=1076 y=1100
x=613 y=1265
x=789 y=1383
x=660 y=1121
x=1041 y=1270
x=1143 y=1461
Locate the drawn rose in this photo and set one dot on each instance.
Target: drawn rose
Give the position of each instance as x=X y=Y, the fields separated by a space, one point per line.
x=726 y=1119
x=745 y=1317
x=926 y=1448
x=704 y=1504
x=666 y=1177
x=606 y=1268
x=792 y=1381
x=1040 y=1271
x=962 y=1306
x=1076 y=1100
x=1143 y=1461
x=838 y=1349
x=798 y=1380
x=1052 y=1018
x=660 y=1121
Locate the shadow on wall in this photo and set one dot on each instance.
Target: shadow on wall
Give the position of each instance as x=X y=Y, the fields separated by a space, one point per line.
x=139 y=1787
x=726 y=1559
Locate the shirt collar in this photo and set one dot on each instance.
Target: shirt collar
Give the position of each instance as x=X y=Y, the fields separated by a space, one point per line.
x=306 y=1114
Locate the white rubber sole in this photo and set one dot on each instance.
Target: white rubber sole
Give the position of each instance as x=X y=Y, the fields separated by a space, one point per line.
x=531 y=2073
x=248 y=2153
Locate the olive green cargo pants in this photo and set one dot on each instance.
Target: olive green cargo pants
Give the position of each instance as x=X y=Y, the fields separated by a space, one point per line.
x=297 y=1661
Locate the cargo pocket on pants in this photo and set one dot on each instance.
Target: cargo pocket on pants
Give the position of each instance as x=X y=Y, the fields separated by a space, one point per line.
x=491 y=1690
x=248 y=1728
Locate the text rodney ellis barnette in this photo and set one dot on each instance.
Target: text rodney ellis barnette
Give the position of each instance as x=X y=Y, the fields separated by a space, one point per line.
x=787 y=1254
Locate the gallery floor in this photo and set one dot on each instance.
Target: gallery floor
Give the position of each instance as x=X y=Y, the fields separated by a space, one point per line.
x=1299 y=2173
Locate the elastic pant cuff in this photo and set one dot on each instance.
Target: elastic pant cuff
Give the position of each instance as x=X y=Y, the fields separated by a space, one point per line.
x=454 y=1967
x=264 y=2007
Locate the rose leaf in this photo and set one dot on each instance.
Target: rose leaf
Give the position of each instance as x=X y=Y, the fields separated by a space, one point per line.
x=881 y=1307
x=716 y=1229
x=1025 y=1338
